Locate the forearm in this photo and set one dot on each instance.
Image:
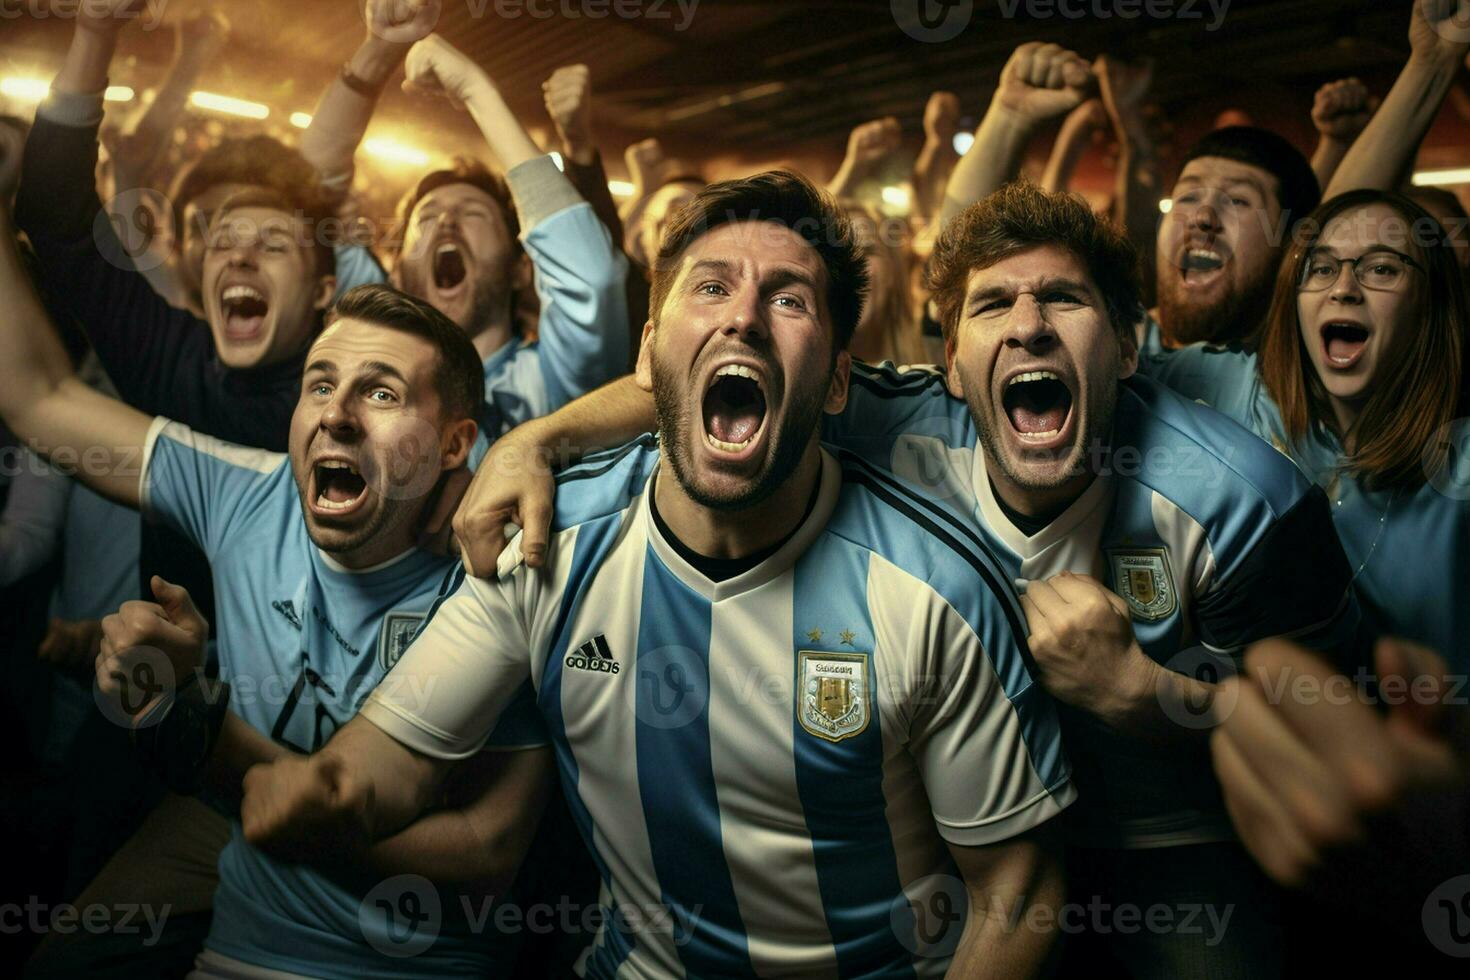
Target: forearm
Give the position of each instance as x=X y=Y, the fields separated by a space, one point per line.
x=36 y=363
x=935 y=163
x=342 y=115
x=1065 y=155
x=149 y=138
x=500 y=127
x=993 y=159
x=610 y=416
x=1137 y=191
x=238 y=748
x=404 y=782
x=1327 y=158
x=1387 y=146
x=84 y=69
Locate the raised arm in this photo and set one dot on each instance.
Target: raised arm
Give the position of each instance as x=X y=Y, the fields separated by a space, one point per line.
x=568 y=97
x=346 y=107
x=937 y=157
x=1383 y=154
x=1038 y=83
x=45 y=403
x=868 y=145
x=1072 y=141
x=1136 y=182
x=1340 y=111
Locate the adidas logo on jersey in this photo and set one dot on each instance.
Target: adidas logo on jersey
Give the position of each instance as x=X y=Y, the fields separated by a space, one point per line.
x=594 y=655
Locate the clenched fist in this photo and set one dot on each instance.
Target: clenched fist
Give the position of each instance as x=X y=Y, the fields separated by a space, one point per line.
x=1342 y=109
x=872 y=142
x=165 y=638
x=402 y=22
x=436 y=67
x=1041 y=81
x=1082 y=639
x=299 y=808
x=568 y=95
x=942 y=118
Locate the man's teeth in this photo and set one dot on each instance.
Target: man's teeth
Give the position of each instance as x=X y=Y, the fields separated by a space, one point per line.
x=1206 y=254
x=235 y=294
x=728 y=447
x=446 y=249
x=738 y=371
x=1039 y=436
x=325 y=504
x=337 y=464
x=1033 y=376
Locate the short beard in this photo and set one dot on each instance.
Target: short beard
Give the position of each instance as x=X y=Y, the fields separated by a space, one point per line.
x=1098 y=426
x=492 y=294
x=788 y=442
x=1235 y=320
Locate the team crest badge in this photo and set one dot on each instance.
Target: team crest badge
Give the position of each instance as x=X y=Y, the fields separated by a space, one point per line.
x=836 y=693
x=1142 y=577
x=397 y=633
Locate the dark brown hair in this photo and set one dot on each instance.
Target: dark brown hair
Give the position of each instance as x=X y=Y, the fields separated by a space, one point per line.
x=458 y=378
x=786 y=199
x=1022 y=216
x=323 y=261
x=461 y=170
x=1420 y=385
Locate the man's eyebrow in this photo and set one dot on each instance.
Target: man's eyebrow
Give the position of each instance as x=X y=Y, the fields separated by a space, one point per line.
x=718 y=266
x=383 y=368
x=321 y=364
x=998 y=290
x=790 y=275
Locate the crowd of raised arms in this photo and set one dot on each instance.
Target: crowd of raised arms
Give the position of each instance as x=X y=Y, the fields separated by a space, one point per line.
x=739 y=581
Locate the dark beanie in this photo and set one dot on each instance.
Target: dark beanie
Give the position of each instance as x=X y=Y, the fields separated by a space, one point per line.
x=1300 y=193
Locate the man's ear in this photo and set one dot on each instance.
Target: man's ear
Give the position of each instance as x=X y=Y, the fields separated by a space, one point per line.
x=455 y=444
x=643 y=372
x=837 y=390
x=522 y=273
x=326 y=290
x=952 y=379
x=1127 y=355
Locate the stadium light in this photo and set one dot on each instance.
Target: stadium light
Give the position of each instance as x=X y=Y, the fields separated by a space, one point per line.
x=1442 y=178
x=1166 y=205
x=896 y=197
x=301 y=119
x=620 y=188
x=394 y=152
x=214 y=102
x=963 y=142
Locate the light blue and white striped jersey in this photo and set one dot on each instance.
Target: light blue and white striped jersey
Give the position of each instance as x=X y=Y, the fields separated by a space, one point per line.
x=766 y=769
x=1409 y=549
x=302 y=641
x=1212 y=539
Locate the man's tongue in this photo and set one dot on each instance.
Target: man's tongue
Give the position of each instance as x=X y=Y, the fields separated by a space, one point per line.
x=734 y=425
x=733 y=410
x=1035 y=407
x=340 y=486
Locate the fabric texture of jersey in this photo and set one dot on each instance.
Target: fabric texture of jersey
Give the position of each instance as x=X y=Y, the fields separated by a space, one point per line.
x=1194 y=523
x=758 y=766
x=302 y=642
x=1409 y=548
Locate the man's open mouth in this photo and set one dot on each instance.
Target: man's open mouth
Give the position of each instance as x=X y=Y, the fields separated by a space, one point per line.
x=245 y=309
x=338 y=487
x=1343 y=342
x=734 y=409
x=1038 y=404
x=1200 y=264
x=450 y=268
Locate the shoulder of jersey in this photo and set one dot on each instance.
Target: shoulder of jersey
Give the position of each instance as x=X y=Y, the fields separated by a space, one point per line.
x=889 y=380
x=924 y=538
x=1199 y=450
x=604 y=483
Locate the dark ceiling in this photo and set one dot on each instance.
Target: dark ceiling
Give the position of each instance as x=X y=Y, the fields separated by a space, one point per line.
x=765 y=79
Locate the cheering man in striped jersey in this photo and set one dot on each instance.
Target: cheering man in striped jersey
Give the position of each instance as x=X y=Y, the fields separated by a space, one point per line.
x=790 y=701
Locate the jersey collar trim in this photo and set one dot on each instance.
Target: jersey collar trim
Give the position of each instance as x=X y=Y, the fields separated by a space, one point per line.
x=1099 y=493
x=337 y=566
x=829 y=490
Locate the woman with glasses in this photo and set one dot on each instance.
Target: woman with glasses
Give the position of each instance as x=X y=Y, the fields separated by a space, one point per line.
x=1359 y=376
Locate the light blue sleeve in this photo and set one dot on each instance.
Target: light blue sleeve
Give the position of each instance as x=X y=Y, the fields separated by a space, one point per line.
x=583 y=340
x=1224 y=378
x=356 y=266
x=202 y=486
x=884 y=404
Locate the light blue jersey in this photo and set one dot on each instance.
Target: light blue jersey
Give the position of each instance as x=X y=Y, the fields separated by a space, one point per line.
x=766 y=769
x=1212 y=539
x=1409 y=548
x=302 y=642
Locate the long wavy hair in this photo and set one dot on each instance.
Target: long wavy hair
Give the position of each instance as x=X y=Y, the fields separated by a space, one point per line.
x=1420 y=386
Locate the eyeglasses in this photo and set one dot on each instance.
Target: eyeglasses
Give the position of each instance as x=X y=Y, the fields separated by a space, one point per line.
x=1384 y=270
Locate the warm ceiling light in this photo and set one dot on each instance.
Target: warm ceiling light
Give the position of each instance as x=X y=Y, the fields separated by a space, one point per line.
x=1166 y=205
x=118 y=93
x=620 y=188
x=25 y=89
x=963 y=142
x=215 y=102
x=896 y=197
x=301 y=119
x=395 y=152
x=1442 y=178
